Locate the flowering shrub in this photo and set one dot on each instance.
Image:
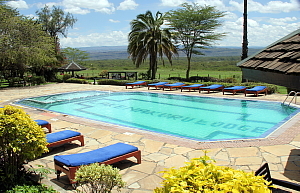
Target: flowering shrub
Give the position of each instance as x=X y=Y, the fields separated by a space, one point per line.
x=21 y=139
x=201 y=175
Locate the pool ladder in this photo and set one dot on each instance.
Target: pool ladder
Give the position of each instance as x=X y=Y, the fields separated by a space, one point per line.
x=294 y=97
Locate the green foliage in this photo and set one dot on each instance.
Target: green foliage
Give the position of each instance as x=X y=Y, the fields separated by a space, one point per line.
x=41 y=171
x=32 y=189
x=99 y=178
x=202 y=175
x=15 y=81
x=193 y=28
x=35 y=80
x=103 y=73
x=147 y=39
x=23 y=44
x=111 y=82
x=66 y=77
x=55 y=21
x=75 y=54
x=77 y=80
x=21 y=139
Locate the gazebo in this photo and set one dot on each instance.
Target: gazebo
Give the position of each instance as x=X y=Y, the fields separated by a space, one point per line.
x=71 y=67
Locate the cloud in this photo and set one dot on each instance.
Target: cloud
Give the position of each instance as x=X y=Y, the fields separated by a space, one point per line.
x=257 y=31
x=84 y=7
x=281 y=21
x=49 y=4
x=128 y=5
x=18 y=4
x=116 y=38
x=172 y=3
x=114 y=21
x=270 y=7
x=77 y=10
x=219 y=4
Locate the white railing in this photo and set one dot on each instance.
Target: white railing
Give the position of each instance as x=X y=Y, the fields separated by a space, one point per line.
x=294 y=95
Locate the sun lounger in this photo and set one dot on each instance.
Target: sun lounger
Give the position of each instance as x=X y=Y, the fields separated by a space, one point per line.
x=44 y=123
x=157 y=85
x=234 y=89
x=63 y=137
x=174 y=85
x=138 y=83
x=265 y=171
x=213 y=87
x=256 y=90
x=68 y=164
x=193 y=86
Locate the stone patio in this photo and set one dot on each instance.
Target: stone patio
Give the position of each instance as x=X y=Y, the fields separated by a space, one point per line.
x=280 y=150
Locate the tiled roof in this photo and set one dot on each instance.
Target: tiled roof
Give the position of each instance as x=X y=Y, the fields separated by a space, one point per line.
x=282 y=56
x=72 y=67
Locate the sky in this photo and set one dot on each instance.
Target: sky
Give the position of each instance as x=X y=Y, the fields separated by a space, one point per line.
x=107 y=22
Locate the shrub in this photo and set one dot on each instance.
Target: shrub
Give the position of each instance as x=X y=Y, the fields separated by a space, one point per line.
x=77 y=80
x=99 y=178
x=36 y=80
x=21 y=139
x=32 y=188
x=201 y=175
x=66 y=77
x=103 y=73
x=111 y=82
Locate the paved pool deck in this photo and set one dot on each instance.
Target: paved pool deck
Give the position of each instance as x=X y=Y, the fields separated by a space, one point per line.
x=281 y=149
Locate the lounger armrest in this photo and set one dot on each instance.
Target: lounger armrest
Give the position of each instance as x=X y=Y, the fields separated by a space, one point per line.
x=286 y=184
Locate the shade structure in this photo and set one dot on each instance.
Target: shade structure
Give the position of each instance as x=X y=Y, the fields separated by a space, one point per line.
x=71 y=67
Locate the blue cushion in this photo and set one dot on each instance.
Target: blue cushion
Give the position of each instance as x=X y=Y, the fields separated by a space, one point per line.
x=41 y=122
x=57 y=136
x=214 y=86
x=175 y=84
x=257 y=88
x=159 y=83
x=194 y=85
x=235 y=88
x=138 y=82
x=98 y=155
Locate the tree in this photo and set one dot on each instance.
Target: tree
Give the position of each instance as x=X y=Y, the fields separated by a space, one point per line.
x=148 y=39
x=23 y=44
x=55 y=22
x=193 y=29
x=75 y=54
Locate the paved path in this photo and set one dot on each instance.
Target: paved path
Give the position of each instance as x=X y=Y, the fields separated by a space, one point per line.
x=281 y=150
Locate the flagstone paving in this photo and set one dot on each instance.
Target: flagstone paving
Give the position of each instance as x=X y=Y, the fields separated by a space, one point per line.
x=281 y=151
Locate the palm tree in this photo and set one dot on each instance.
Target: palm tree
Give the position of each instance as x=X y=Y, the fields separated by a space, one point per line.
x=148 y=39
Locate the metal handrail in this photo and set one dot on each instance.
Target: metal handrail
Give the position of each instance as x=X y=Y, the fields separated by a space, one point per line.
x=294 y=97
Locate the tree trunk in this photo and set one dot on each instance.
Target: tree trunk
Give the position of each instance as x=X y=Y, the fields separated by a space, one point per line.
x=153 y=66
x=187 y=76
x=245 y=31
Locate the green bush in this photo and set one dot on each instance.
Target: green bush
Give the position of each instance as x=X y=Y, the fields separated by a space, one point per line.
x=201 y=175
x=99 y=178
x=111 y=82
x=36 y=80
x=66 y=77
x=31 y=189
x=77 y=80
x=21 y=139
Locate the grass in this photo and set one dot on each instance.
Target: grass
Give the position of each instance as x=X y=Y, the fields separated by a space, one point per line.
x=165 y=73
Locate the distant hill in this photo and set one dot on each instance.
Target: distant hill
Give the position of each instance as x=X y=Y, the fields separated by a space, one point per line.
x=120 y=52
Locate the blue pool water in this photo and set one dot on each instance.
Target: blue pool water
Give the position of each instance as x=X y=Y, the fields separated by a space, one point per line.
x=193 y=117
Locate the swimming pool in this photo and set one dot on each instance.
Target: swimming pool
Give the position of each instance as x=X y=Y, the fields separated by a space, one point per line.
x=193 y=117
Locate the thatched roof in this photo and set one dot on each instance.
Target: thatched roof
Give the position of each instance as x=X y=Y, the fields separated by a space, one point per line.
x=283 y=56
x=72 y=67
